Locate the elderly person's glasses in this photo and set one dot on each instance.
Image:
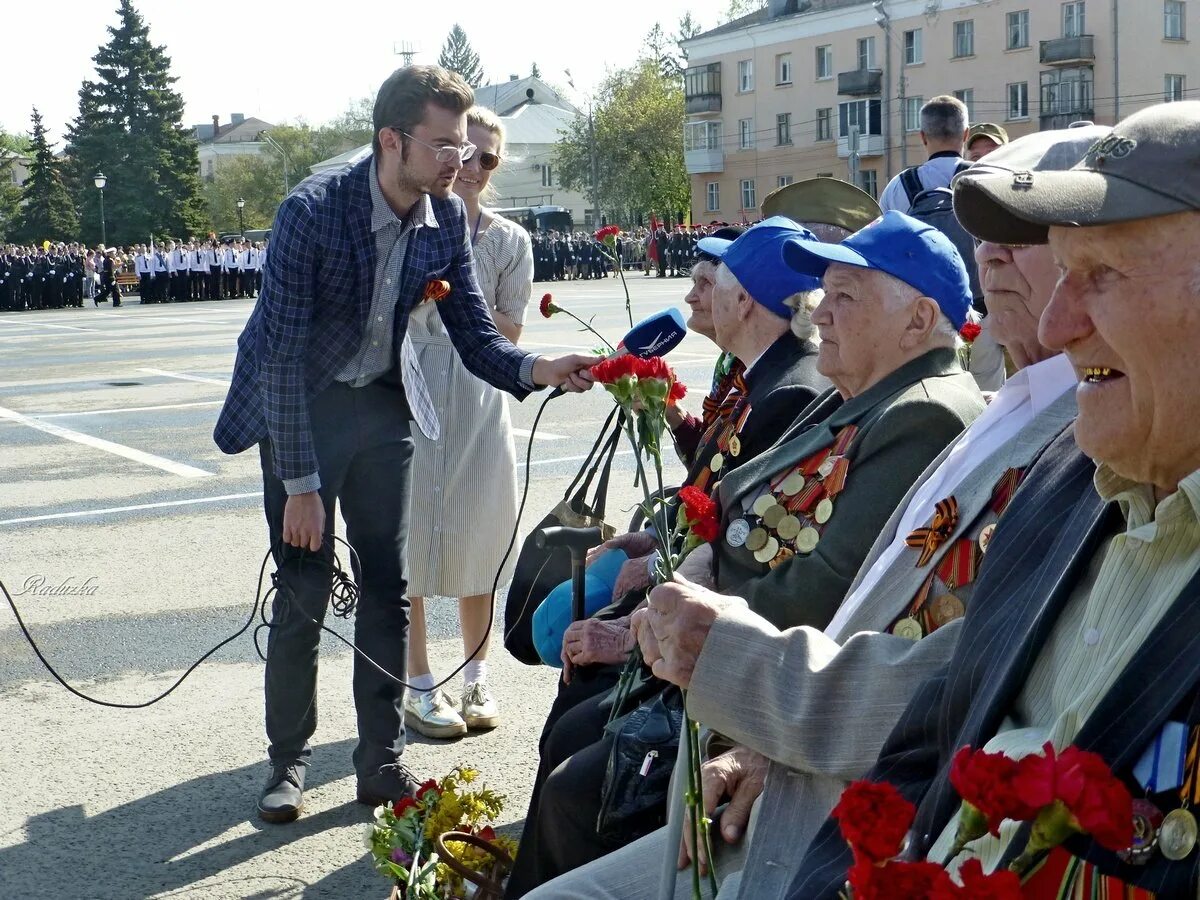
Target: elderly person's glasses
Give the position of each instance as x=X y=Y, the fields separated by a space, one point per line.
x=445 y=154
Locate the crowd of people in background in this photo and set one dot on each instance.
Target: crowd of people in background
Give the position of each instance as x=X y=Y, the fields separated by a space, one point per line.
x=62 y=275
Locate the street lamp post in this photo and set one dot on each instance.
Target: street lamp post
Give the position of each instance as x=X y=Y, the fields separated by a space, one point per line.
x=241 y=204
x=100 y=182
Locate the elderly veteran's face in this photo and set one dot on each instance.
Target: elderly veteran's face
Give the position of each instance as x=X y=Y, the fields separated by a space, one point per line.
x=864 y=323
x=1126 y=312
x=1017 y=284
x=699 y=299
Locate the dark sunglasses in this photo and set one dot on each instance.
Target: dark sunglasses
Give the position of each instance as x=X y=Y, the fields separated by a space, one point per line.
x=487 y=161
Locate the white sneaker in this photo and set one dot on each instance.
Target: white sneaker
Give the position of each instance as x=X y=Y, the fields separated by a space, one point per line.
x=432 y=714
x=478 y=708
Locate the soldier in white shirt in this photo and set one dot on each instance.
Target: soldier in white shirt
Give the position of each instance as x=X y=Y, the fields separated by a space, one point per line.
x=145 y=272
x=229 y=269
x=160 y=275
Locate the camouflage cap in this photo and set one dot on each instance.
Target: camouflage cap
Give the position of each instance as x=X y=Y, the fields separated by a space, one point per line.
x=827 y=200
x=988 y=130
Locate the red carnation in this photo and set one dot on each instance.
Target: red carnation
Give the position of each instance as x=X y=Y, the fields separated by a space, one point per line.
x=487 y=833
x=401 y=806
x=706 y=529
x=610 y=371
x=1000 y=885
x=426 y=787
x=985 y=782
x=547 y=306
x=678 y=392
x=900 y=881
x=654 y=367
x=608 y=231
x=970 y=331
x=874 y=818
x=697 y=505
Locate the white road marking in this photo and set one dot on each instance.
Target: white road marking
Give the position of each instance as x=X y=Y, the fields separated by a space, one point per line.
x=30 y=323
x=127 y=409
x=542 y=435
x=118 y=509
x=562 y=459
x=96 y=443
x=185 y=377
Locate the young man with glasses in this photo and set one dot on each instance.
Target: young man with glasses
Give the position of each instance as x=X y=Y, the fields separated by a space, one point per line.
x=325 y=384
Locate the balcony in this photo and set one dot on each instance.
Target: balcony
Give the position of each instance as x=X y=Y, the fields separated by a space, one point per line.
x=1068 y=51
x=699 y=162
x=702 y=103
x=868 y=145
x=1057 y=120
x=702 y=89
x=860 y=82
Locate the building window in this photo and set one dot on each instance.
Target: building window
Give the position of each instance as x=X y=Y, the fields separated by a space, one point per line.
x=967 y=96
x=1173 y=88
x=912 y=113
x=914 y=47
x=866 y=53
x=1018 y=100
x=783 y=68
x=825 y=61
x=964 y=38
x=702 y=136
x=713 y=194
x=861 y=114
x=547 y=176
x=1072 y=19
x=868 y=180
x=825 y=124
x=748 y=199
x=784 y=180
x=1067 y=92
x=783 y=129
x=746 y=134
x=1018 y=30
x=1173 y=12
x=702 y=81
x=746 y=75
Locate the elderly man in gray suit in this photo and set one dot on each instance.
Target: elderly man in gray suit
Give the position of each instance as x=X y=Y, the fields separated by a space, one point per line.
x=810 y=709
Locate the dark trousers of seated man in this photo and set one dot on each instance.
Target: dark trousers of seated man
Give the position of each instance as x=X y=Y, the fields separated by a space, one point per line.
x=364 y=451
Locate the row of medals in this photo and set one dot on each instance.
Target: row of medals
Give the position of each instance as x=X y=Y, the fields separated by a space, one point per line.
x=944 y=608
x=1174 y=835
x=778 y=525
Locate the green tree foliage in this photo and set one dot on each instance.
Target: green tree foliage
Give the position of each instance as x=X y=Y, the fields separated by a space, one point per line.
x=46 y=212
x=457 y=56
x=11 y=145
x=638 y=120
x=130 y=128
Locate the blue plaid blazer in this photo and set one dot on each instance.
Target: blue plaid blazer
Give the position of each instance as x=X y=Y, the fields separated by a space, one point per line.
x=316 y=296
x=1042 y=547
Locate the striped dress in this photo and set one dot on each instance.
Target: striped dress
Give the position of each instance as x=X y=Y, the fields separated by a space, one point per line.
x=464 y=484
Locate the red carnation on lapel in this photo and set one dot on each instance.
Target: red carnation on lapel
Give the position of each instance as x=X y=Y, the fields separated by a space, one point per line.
x=436 y=290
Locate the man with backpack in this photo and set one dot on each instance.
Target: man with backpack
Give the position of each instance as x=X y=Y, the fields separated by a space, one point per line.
x=943 y=130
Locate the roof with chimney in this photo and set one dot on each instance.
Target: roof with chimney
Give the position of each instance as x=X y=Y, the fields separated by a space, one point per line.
x=238 y=130
x=505 y=97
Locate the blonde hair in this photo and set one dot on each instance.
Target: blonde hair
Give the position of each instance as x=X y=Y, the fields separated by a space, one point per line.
x=482 y=117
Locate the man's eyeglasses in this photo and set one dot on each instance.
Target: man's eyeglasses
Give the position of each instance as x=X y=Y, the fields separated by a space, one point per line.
x=444 y=154
x=487 y=161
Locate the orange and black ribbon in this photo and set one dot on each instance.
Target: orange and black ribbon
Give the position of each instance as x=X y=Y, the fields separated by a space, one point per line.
x=945 y=520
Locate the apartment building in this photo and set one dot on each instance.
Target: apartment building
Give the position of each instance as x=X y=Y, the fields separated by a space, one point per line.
x=834 y=87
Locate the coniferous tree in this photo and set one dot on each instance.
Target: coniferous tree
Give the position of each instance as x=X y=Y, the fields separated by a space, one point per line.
x=457 y=56
x=130 y=127
x=535 y=72
x=47 y=213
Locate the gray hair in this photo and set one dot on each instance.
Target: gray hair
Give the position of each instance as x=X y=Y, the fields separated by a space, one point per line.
x=944 y=334
x=802 y=305
x=944 y=118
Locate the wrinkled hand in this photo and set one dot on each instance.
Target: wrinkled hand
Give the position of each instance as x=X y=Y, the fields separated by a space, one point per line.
x=304 y=521
x=737 y=776
x=571 y=372
x=697 y=566
x=591 y=641
x=673 y=627
x=634 y=576
x=634 y=543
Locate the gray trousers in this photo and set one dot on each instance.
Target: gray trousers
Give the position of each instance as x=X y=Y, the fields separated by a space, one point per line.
x=364 y=451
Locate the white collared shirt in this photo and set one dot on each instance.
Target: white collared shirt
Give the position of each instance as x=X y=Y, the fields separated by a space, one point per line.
x=1023 y=397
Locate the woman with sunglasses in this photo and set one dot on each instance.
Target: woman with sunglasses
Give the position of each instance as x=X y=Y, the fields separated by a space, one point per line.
x=464 y=485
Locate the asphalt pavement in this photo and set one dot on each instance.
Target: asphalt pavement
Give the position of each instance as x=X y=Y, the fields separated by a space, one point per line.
x=132 y=545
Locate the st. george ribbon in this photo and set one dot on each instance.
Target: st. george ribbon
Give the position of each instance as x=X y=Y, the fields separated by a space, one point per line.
x=655 y=335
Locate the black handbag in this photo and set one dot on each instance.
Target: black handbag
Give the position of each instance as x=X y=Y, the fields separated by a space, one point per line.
x=538 y=571
x=633 y=801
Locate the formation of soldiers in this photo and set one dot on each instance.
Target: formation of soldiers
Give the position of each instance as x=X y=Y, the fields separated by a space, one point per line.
x=65 y=275
x=566 y=256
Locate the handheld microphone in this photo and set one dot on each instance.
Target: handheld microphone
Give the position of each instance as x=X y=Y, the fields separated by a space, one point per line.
x=655 y=335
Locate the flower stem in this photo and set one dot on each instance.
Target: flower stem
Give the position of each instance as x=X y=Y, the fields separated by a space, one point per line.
x=588 y=326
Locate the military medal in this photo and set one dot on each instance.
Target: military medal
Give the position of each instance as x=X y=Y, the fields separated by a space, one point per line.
x=824 y=511
x=767 y=552
x=945 y=609
x=781 y=557
x=763 y=503
x=1177 y=835
x=909 y=628
x=1147 y=818
x=788 y=528
x=715 y=464
x=985 y=537
x=737 y=532
x=735 y=446
x=793 y=484
x=757 y=540
x=806 y=540
x=825 y=469
x=773 y=516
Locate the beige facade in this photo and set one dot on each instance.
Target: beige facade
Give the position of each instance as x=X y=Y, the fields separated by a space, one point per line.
x=775 y=96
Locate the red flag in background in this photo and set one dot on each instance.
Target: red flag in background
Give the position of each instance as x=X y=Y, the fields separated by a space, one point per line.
x=652 y=247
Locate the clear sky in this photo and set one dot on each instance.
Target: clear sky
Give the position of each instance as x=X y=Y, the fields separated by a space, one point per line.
x=282 y=60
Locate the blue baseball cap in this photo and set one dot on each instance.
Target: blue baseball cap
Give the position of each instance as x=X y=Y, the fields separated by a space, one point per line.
x=903 y=247
x=754 y=259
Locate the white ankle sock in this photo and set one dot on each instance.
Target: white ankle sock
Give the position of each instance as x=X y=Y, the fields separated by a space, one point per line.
x=422 y=683
x=475 y=671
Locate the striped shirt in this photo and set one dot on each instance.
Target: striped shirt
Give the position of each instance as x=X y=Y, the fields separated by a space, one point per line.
x=1129 y=586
